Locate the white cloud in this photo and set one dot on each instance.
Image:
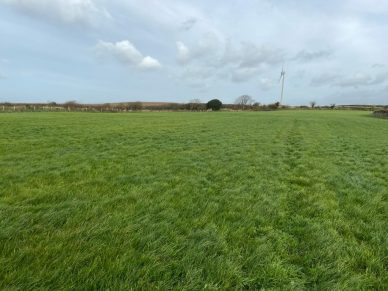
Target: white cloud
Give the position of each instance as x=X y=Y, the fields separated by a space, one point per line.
x=126 y=53
x=183 y=52
x=149 y=63
x=67 y=11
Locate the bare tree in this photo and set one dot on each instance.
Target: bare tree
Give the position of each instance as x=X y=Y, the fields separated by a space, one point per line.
x=195 y=101
x=312 y=104
x=332 y=106
x=194 y=104
x=136 y=106
x=71 y=105
x=244 y=100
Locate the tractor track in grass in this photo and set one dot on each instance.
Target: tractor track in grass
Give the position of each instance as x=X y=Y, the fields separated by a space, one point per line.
x=304 y=208
x=324 y=218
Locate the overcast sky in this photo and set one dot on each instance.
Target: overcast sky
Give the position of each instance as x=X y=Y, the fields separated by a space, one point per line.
x=168 y=50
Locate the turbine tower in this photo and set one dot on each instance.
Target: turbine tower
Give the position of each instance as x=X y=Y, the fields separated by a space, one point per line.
x=282 y=75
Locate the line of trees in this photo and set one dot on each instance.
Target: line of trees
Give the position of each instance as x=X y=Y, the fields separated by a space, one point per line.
x=243 y=102
x=192 y=105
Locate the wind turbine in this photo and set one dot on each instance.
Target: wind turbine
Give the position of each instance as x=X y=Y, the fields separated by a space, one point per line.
x=282 y=75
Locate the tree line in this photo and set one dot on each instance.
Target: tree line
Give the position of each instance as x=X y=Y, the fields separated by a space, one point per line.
x=243 y=102
x=192 y=105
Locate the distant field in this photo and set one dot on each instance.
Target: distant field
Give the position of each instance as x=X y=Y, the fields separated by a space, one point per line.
x=275 y=200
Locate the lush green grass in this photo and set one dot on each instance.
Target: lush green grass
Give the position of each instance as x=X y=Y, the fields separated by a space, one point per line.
x=274 y=200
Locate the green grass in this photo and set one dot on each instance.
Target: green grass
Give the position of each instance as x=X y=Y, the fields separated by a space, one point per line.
x=289 y=200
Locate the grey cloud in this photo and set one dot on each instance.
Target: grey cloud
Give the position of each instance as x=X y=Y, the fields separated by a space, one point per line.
x=380 y=78
x=324 y=79
x=241 y=62
x=247 y=55
x=378 y=66
x=189 y=23
x=363 y=96
x=81 y=11
x=243 y=74
x=252 y=55
x=198 y=77
x=198 y=73
x=265 y=84
x=206 y=48
x=309 y=56
x=355 y=81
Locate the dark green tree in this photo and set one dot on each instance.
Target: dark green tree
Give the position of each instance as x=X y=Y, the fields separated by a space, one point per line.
x=214 y=105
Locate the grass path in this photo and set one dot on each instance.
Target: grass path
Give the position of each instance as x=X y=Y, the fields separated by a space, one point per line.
x=289 y=200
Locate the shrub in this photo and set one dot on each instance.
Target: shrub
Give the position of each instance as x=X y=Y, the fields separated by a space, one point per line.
x=214 y=105
x=381 y=113
x=274 y=106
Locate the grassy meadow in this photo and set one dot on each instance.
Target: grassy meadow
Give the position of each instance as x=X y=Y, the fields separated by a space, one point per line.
x=286 y=200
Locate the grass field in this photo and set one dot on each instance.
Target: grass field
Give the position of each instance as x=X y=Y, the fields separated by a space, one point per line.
x=274 y=200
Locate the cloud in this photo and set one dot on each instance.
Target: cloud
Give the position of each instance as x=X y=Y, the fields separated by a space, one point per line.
x=2 y=76
x=202 y=44
x=66 y=11
x=324 y=79
x=368 y=95
x=126 y=53
x=239 y=63
x=183 y=55
x=308 y=56
x=149 y=63
x=189 y=23
x=207 y=48
x=243 y=74
x=379 y=78
x=378 y=66
x=265 y=84
x=252 y=55
x=355 y=81
x=198 y=73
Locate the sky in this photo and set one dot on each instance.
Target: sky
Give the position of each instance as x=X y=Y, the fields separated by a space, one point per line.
x=97 y=51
